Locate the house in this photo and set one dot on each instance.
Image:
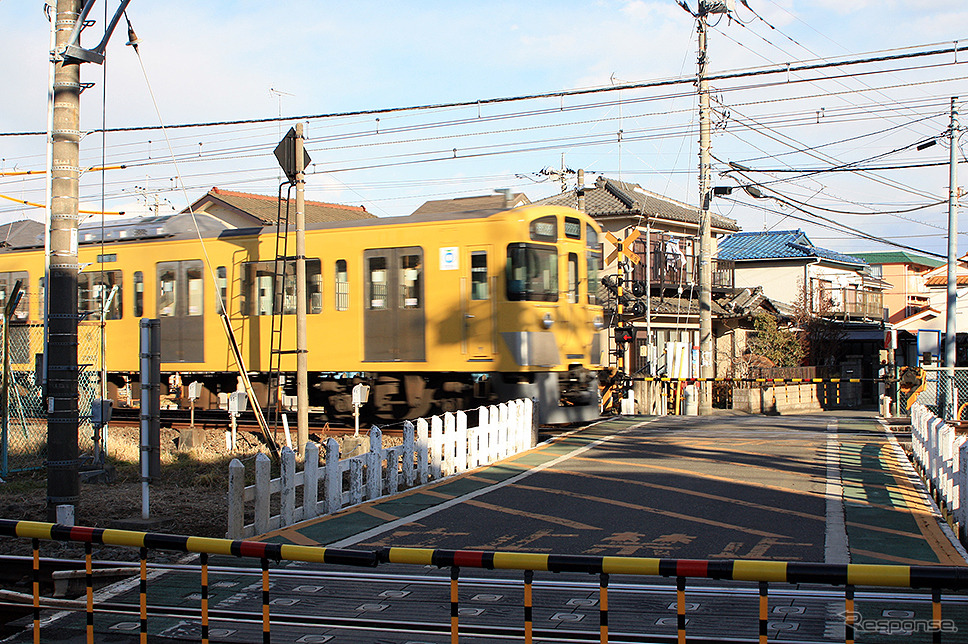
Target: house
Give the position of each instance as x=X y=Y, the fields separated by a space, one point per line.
x=929 y=325
x=906 y=273
x=807 y=281
x=243 y=209
x=501 y=200
x=668 y=248
x=794 y=272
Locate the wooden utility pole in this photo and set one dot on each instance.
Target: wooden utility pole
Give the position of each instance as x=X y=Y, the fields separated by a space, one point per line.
x=302 y=356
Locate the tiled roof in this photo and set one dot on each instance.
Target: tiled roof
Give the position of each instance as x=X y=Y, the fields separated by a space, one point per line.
x=942 y=280
x=898 y=257
x=611 y=198
x=22 y=234
x=468 y=204
x=781 y=244
x=265 y=207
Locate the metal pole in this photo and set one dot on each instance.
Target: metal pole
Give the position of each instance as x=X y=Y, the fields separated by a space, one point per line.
x=705 y=237
x=63 y=484
x=302 y=357
x=951 y=323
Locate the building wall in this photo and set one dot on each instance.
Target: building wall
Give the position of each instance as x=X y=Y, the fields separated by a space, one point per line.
x=780 y=282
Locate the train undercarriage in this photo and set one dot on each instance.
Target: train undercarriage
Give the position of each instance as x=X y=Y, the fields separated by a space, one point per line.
x=570 y=396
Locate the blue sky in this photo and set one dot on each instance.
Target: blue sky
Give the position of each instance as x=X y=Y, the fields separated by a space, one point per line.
x=217 y=61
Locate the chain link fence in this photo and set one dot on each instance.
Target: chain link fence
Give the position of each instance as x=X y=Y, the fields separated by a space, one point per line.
x=944 y=394
x=23 y=444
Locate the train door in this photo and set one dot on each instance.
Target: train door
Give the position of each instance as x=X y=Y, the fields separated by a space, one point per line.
x=394 y=313
x=181 y=311
x=478 y=305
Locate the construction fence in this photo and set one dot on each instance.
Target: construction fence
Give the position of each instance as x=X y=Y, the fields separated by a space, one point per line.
x=23 y=441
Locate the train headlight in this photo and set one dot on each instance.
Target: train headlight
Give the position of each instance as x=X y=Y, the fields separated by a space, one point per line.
x=547 y=321
x=598 y=323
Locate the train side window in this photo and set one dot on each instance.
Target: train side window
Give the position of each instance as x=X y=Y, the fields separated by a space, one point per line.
x=314 y=287
x=100 y=290
x=167 y=293
x=377 y=267
x=342 y=286
x=7 y=281
x=479 y=275
x=221 y=303
x=594 y=266
x=572 y=278
x=410 y=281
x=196 y=290
x=139 y=294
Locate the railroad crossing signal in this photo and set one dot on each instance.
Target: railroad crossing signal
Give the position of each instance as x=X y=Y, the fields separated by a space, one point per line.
x=622 y=247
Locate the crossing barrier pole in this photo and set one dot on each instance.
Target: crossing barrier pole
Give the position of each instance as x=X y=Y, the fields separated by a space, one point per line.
x=204 y=563
x=528 y=578
x=89 y=582
x=35 y=543
x=681 y=609
x=143 y=595
x=936 y=614
x=764 y=612
x=266 y=638
x=454 y=574
x=849 y=614
x=603 y=607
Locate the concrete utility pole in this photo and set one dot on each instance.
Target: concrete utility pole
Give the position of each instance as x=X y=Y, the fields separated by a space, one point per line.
x=951 y=317
x=63 y=484
x=60 y=300
x=302 y=355
x=705 y=234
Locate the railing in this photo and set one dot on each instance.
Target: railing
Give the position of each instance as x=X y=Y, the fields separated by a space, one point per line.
x=850 y=302
x=641 y=571
x=432 y=449
x=674 y=263
x=941 y=454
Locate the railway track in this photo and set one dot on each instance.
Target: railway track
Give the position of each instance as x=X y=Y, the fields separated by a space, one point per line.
x=218 y=420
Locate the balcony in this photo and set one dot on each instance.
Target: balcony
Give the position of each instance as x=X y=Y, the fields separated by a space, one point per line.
x=848 y=303
x=674 y=262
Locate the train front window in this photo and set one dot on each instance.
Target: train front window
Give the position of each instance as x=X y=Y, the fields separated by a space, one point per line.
x=532 y=273
x=572 y=278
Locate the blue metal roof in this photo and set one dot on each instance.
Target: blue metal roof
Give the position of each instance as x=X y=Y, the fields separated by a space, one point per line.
x=778 y=244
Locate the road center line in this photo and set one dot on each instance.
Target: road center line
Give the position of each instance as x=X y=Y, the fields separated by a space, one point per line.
x=835 y=548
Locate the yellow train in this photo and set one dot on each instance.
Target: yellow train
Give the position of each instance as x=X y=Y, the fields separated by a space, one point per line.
x=434 y=312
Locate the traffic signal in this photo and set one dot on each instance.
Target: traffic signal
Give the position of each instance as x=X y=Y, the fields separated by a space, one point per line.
x=624 y=334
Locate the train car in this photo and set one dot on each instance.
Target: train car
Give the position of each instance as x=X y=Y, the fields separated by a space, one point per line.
x=433 y=312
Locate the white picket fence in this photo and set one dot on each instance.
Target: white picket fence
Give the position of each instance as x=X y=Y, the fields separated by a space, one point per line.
x=431 y=449
x=942 y=456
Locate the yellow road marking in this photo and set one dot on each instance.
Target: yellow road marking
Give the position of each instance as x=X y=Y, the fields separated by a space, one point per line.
x=645 y=508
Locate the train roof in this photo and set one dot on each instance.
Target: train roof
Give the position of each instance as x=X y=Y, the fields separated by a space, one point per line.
x=182 y=226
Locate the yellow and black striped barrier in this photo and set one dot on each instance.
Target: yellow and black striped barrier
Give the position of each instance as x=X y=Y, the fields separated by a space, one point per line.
x=849 y=576
x=769 y=380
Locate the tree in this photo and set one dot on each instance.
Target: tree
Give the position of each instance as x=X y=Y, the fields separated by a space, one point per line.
x=781 y=346
x=821 y=337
